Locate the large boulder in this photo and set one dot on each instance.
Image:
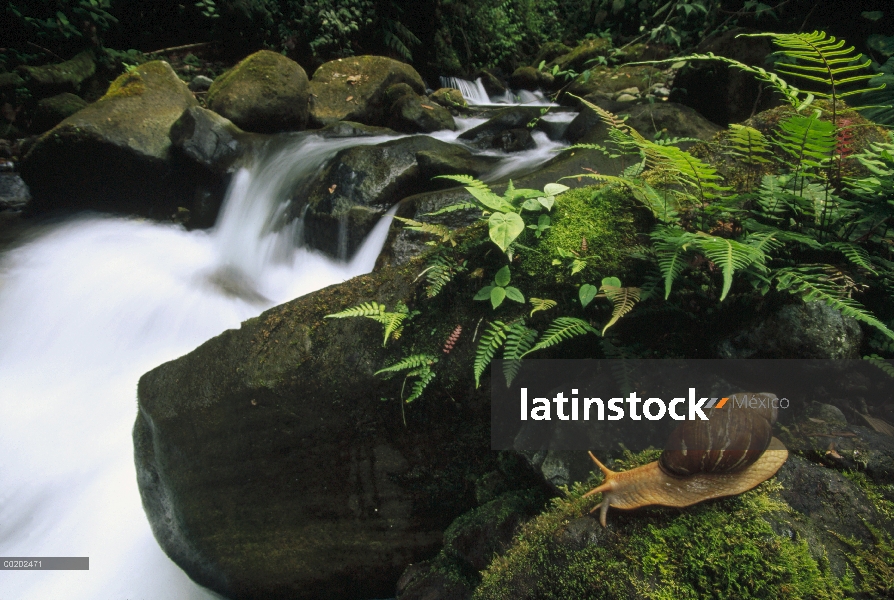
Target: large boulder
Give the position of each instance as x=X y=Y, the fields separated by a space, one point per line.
x=342 y=204
x=722 y=93
x=211 y=140
x=270 y=467
x=265 y=93
x=353 y=89
x=55 y=109
x=115 y=153
x=507 y=130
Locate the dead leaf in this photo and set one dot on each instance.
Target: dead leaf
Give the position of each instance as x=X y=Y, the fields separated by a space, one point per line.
x=352 y=79
x=815 y=420
x=879 y=425
x=349 y=98
x=332 y=188
x=428 y=107
x=831 y=451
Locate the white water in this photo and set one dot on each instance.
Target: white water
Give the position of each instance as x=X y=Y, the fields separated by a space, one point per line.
x=475 y=94
x=85 y=309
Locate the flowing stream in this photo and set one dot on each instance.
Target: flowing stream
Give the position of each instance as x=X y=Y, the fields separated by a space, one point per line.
x=89 y=305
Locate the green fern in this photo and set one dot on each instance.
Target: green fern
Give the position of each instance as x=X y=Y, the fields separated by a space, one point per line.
x=440 y=271
x=821 y=59
x=367 y=309
x=881 y=364
x=411 y=362
x=854 y=253
x=425 y=375
x=541 y=304
x=452 y=208
x=519 y=339
x=812 y=283
x=672 y=250
x=445 y=233
x=749 y=146
x=808 y=140
x=623 y=300
x=492 y=338
x=561 y=329
x=730 y=256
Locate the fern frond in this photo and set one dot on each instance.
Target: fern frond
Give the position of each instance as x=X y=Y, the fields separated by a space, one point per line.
x=519 y=339
x=425 y=376
x=492 y=338
x=671 y=249
x=468 y=181
x=541 y=304
x=392 y=321
x=623 y=299
x=561 y=329
x=881 y=364
x=856 y=254
x=808 y=140
x=445 y=233
x=730 y=256
x=748 y=144
x=696 y=173
x=439 y=272
x=367 y=309
x=453 y=208
x=411 y=362
x=811 y=285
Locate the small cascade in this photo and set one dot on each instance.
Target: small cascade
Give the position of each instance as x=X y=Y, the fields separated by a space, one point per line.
x=475 y=94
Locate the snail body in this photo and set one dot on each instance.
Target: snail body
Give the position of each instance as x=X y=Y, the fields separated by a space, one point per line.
x=729 y=454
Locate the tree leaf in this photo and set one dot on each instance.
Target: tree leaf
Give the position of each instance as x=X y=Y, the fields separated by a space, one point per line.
x=504 y=228
x=484 y=293
x=502 y=277
x=586 y=293
x=554 y=189
x=497 y=295
x=490 y=200
x=513 y=293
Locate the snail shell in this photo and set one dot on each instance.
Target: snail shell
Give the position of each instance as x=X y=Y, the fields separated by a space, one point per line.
x=729 y=454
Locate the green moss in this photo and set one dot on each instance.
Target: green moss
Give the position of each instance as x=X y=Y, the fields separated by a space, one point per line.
x=127 y=85
x=71 y=72
x=602 y=216
x=722 y=549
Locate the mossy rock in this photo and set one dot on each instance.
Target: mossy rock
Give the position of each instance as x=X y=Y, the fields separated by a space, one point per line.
x=114 y=154
x=608 y=81
x=529 y=78
x=576 y=59
x=550 y=51
x=449 y=98
x=65 y=76
x=265 y=93
x=353 y=89
x=10 y=81
x=410 y=113
x=51 y=111
x=762 y=544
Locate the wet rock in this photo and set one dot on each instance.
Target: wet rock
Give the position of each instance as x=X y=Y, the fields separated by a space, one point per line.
x=349 y=129
x=272 y=440
x=804 y=330
x=424 y=581
x=265 y=93
x=115 y=154
x=827 y=413
x=353 y=89
x=490 y=134
x=14 y=193
x=52 y=111
x=723 y=94
x=455 y=161
x=529 y=78
x=625 y=98
x=200 y=83
x=211 y=140
x=343 y=203
x=414 y=114
x=493 y=85
x=61 y=77
x=605 y=83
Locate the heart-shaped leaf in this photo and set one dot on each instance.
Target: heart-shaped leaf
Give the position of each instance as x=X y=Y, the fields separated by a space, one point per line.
x=502 y=277
x=484 y=293
x=513 y=293
x=504 y=228
x=531 y=204
x=547 y=202
x=586 y=293
x=554 y=189
x=497 y=294
x=611 y=281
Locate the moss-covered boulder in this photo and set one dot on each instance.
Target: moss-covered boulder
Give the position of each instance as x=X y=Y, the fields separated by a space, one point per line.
x=60 y=77
x=410 y=113
x=52 y=111
x=807 y=533
x=603 y=84
x=529 y=78
x=353 y=89
x=265 y=93
x=115 y=154
x=576 y=59
x=270 y=466
x=449 y=98
x=342 y=204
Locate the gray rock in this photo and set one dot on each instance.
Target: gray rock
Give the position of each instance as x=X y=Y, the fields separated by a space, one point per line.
x=626 y=98
x=52 y=111
x=413 y=114
x=200 y=83
x=490 y=134
x=14 y=194
x=115 y=154
x=805 y=330
x=265 y=93
x=828 y=413
x=66 y=76
x=211 y=140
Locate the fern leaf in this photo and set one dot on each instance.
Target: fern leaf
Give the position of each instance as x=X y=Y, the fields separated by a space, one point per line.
x=467 y=180
x=810 y=285
x=445 y=233
x=492 y=338
x=411 y=362
x=519 y=339
x=425 y=376
x=748 y=144
x=453 y=208
x=560 y=330
x=439 y=272
x=541 y=304
x=367 y=309
x=671 y=250
x=856 y=254
x=391 y=321
x=623 y=299
x=808 y=140
x=730 y=256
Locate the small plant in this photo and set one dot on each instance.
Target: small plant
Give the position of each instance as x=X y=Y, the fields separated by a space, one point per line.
x=391 y=321
x=499 y=290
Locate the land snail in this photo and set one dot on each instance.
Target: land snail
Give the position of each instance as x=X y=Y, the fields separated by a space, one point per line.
x=730 y=453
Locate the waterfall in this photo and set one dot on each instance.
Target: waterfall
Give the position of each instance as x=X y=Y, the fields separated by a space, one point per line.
x=475 y=94
x=87 y=307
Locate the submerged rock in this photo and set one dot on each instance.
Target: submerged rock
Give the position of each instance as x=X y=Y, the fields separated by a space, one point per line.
x=265 y=93
x=114 y=154
x=353 y=89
